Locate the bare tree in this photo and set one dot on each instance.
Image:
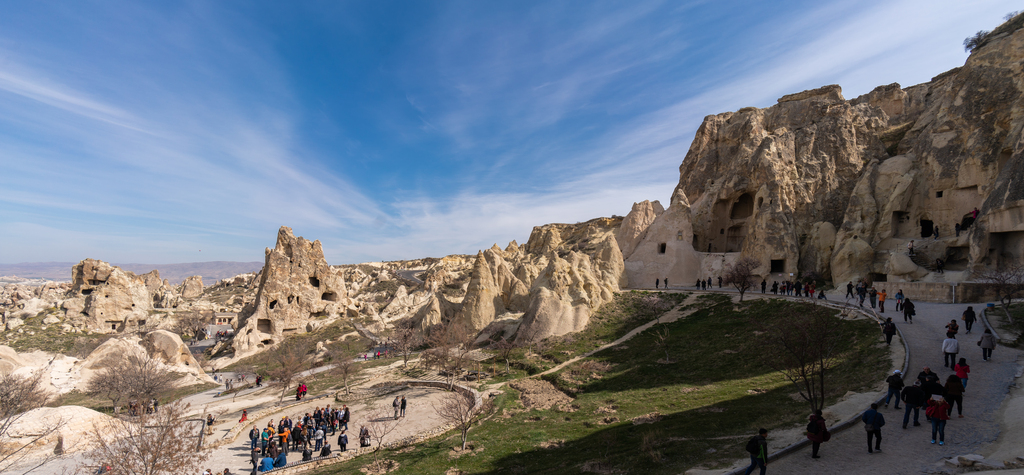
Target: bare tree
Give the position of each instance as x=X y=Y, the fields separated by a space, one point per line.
x=380 y=424
x=343 y=363
x=741 y=274
x=286 y=362
x=191 y=323
x=505 y=349
x=450 y=344
x=1007 y=281
x=404 y=339
x=165 y=442
x=661 y=338
x=135 y=376
x=458 y=409
x=804 y=347
x=18 y=395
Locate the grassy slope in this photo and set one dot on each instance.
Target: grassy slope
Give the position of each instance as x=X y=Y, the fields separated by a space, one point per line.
x=706 y=395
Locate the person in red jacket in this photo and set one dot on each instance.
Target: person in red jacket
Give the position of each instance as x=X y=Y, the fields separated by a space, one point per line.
x=819 y=435
x=938 y=410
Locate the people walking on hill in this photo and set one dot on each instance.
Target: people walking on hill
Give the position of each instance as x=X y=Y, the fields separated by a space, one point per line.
x=987 y=344
x=955 y=395
x=895 y=381
x=664 y=282
x=396 y=404
x=969 y=317
x=403 y=406
x=757 y=447
x=910 y=248
x=881 y=300
x=719 y=281
x=657 y=282
x=849 y=290
x=908 y=311
x=913 y=398
x=899 y=300
x=764 y=285
x=950 y=347
x=817 y=432
x=775 y=287
x=940 y=266
x=938 y=413
x=862 y=293
x=873 y=296
x=873 y=422
x=963 y=371
x=952 y=327
x=888 y=329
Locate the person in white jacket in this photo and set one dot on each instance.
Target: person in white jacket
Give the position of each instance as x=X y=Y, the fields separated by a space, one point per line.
x=950 y=347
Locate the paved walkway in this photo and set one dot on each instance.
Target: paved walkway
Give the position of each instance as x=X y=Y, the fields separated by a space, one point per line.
x=910 y=450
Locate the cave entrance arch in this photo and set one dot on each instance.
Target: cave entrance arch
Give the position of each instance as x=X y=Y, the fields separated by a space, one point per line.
x=743 y=207
x=927 y=228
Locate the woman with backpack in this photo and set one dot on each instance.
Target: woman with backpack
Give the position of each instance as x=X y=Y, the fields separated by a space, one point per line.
x=817 y=432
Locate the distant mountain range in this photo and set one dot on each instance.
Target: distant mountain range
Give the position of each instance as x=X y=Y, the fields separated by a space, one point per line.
x=175 y=273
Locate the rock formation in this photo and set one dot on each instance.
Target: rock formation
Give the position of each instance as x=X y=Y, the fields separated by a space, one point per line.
x=817 y=185
x=104 y=298
x=296 y=286
x=192 y=287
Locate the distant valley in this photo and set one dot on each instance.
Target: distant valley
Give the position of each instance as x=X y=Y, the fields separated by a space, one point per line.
x=175 y=273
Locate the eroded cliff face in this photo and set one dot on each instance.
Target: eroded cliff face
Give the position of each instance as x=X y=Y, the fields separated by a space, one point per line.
x=297 y=287
x=817 y=184
x=562 y=274
x=104 y=298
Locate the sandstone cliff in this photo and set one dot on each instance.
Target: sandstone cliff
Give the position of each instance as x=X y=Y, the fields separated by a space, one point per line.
x=820 y=185
x=104 y=298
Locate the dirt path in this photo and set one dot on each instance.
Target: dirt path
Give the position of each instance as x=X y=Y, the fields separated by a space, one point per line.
x=667 y=317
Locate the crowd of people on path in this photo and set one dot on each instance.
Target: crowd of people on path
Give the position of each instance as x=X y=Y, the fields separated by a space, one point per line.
x=271 y=446
x=939 y=397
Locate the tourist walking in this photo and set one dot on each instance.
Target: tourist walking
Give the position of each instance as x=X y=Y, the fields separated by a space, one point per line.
x=397 y=404
x=899 y=300
x=895 y=381
x=873 y=296
x=873 y=422
x=817 y=432
x=757 y=447
x=254 y=436
x=952 y=327
x=913 y=398
x=969 y=317
x=888 y=329
x=937 y=411
x=849 y=290
x=962 y=371
x=881 y=301
x=908 y=311
x=955 y=395
x=342 y=442
x=403 y=406
x=657 y=282
x=987 y=344
x=950 y=347
x=910 y=248
x=764 y=285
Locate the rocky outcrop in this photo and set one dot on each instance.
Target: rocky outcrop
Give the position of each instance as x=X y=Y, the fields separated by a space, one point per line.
x=296 y=286
x=103 y=298
x=664 y=251
x=635 y=224
x=163 y=346
x=192 y=287
x=817 y=185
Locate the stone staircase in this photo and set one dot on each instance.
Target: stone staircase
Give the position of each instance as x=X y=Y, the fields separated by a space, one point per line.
x=923 y=261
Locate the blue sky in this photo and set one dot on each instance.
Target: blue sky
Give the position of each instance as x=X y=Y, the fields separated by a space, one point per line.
x=165 y=132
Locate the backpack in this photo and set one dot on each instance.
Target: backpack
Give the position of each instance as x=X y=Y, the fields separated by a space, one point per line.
x=812 y=427
x=753 y=446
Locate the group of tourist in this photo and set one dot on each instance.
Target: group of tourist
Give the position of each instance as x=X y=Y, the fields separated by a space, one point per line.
x=807 y=289
x=300 y=391
x=270 y=446
x=704 y=284
x=929 y=391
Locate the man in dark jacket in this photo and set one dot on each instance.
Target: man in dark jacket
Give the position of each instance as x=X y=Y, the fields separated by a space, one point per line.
x=913 y=398
x=969 y=318
x=927 y=374
x=873 y=422
x=895 y=386
x=888 y=329
x=759 y=458
x=908 y=311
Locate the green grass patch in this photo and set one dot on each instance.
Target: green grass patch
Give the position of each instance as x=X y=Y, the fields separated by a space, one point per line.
x=711 y=399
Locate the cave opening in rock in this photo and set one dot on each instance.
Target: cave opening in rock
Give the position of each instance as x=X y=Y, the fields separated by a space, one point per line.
x=291 y=298
x=927 y=228
x=662 y=247
x=86 y=291
x=314 y=282
x=778 y=266
x=273 y=304
x=877 y=277
x=329 y=296
x=264 y=325
x=743 y=207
